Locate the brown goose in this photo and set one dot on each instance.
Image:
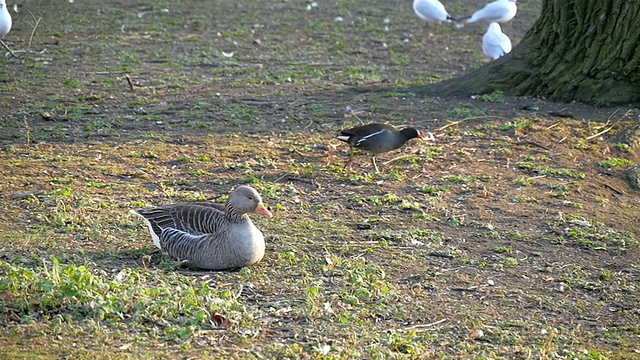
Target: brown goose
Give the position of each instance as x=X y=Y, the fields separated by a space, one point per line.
x=210 y=236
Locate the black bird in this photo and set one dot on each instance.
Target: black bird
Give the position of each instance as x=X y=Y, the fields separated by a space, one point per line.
x=376 y=139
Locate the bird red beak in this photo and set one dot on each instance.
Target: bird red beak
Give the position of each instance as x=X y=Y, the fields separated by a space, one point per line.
x=260 y=209
x=420 y=136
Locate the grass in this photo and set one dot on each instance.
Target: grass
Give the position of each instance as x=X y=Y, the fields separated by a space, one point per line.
x=99 y=274
x=612 y=162
x=493 y=97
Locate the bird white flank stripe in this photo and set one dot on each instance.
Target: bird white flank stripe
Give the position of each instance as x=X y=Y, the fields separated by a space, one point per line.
x=364 y=138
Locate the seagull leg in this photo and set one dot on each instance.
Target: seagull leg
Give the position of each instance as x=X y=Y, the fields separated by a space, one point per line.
x=8 y=49
x=426 y=28
x=373 y=161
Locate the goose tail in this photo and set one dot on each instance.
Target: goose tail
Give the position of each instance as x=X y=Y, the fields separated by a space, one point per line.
x=154 y=236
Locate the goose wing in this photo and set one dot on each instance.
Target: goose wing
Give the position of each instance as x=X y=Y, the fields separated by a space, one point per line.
x=191 y=219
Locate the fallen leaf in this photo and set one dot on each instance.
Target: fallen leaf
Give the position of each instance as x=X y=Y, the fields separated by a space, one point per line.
x=476 y=334
x=220 y=321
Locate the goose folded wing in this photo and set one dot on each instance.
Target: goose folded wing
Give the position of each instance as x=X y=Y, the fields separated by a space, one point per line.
x=191 y=218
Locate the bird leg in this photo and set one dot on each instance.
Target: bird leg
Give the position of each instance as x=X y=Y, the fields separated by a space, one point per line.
x=427 y=28
x=373 y=161
x=8 y=49
x=350 y=158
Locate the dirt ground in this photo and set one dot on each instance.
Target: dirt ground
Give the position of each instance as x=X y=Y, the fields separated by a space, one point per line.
x=526 y=204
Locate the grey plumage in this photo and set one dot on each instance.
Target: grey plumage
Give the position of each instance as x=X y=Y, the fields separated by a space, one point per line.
x=210 y=236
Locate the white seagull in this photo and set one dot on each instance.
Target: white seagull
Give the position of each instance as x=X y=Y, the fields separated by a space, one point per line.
x=5 y=19
x=498 y=11
x=495 y=43
x=431 y=10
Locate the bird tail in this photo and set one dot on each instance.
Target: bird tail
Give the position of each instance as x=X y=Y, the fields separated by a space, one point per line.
x=343 y=137
x=153 y=228
x=346 y=136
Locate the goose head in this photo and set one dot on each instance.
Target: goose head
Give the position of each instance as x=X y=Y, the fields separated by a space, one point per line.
x=246 y=199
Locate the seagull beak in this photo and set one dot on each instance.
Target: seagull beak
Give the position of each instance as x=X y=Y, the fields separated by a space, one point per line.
x=260 y=209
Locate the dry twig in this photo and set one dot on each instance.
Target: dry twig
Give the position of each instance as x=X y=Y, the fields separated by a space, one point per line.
x=610 y=127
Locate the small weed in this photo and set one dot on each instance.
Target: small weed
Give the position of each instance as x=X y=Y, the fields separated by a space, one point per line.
x=493 y=97
x=97 y=125
x=71 y=83
x=559 y=192
x=612 y=162
x=517 y=124
x=516 y=235
x=462 y=179
x=399 y=59
x=582 y=144
x=430 y=190
x=510 y=261
x=544 y=170
x=426 y=217
x=623 y=147
x=525 y=198
x=468 y=111
x=605 y=275
x=238 y=114
x=523 y=182
x=594 y=235
x=574 y=204
x=503 y=249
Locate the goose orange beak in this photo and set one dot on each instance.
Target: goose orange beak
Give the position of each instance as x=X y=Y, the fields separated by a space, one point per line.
x=260 y=209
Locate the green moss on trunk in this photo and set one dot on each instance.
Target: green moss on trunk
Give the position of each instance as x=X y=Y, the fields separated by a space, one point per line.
x=588 y=51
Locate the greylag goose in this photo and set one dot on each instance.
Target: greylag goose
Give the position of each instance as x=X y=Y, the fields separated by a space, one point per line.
x=377 y=138
x=210 y=236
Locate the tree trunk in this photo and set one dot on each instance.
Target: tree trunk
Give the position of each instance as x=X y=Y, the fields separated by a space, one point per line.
x=582 y=50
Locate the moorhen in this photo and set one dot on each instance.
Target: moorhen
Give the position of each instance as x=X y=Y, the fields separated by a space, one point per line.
x=210 y=236
x=376 y=138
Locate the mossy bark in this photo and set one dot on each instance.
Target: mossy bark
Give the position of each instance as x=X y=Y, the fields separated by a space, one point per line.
x=587 y=50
